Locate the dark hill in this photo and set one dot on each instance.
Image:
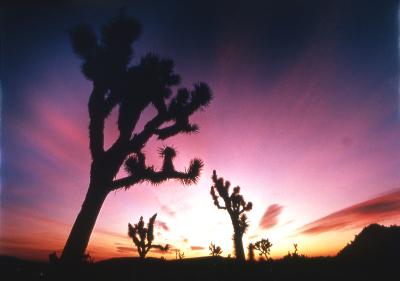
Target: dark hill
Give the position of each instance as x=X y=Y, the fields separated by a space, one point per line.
x=374 y=242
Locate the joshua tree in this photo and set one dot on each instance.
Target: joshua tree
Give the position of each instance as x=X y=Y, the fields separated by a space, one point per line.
x=215 y=250
x=143 y=237
x=251 y=252
x=179 y=255
x=263 y=247
x=129 y=89
x=235 y=205
x=295 y=253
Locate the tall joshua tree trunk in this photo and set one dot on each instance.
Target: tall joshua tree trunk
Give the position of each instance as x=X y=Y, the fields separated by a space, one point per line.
x=80 y=234
x=130 y=89
x=238 y=243
x=101 y=175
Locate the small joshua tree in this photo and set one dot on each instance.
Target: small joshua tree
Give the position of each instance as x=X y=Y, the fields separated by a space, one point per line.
x=179 y=255
x=251 y=252
x=263 y=247
x=215 y=251
x=295 y=253
x=235 y=205
x=143 y=237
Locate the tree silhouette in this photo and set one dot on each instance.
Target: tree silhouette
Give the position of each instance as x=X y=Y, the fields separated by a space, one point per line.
x=117 y=84
x=143 y=237
x=295 y=249
x=295 y=254
x=263 y=247
x=214 y=250
x=179 y=255
x=235 y=205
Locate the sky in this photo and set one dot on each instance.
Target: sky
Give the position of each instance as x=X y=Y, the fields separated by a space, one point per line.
x=305 y=119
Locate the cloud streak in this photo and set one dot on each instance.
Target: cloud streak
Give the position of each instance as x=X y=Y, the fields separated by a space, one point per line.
x=270 y=217
x=377 y=210
x=162 y=224
x=196 y=248
x=168 y=210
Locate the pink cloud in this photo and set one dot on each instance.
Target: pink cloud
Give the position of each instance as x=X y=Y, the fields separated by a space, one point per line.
x=270 y=217
x=162 y=224
x=126 y=249
x=196 y=248
x=168 y=210
x=377 y=210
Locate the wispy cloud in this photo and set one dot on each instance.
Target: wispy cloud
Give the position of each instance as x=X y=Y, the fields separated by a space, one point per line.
x=168 y=210
x=124 y=249
x=162 y=224
x=196 y=248
x=270 y=217
x=377 y=210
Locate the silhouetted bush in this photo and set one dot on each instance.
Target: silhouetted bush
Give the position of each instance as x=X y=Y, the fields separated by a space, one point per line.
x=214 y=250
x=295 y=254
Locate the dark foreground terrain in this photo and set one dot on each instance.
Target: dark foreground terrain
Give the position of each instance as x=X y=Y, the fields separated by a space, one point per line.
x=374 y=254
x=207 y=268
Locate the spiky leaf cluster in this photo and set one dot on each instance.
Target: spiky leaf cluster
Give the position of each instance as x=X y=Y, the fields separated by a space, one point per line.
x=136 y=167
x=184 y=104
x=107 y=57
x=143 y=237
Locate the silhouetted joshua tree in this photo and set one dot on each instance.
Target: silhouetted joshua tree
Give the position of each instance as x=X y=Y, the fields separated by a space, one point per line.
x=117 y=84
x=214 y=250
x=263 y=247
x=143 y=237
x=235 y=205
x=295 y=253
x=179 y=255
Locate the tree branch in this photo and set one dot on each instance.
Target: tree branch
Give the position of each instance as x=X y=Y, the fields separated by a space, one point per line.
x=159 y=247
x=216 y=199
x=154 y=177
x=139 y=140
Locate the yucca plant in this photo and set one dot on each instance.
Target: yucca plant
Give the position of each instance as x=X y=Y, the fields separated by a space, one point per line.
x=236 y=207
x=129 y=89
x=143 y=237
x=214 y=250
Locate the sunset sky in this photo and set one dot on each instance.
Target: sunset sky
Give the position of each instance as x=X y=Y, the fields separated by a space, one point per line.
x=304 y=119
